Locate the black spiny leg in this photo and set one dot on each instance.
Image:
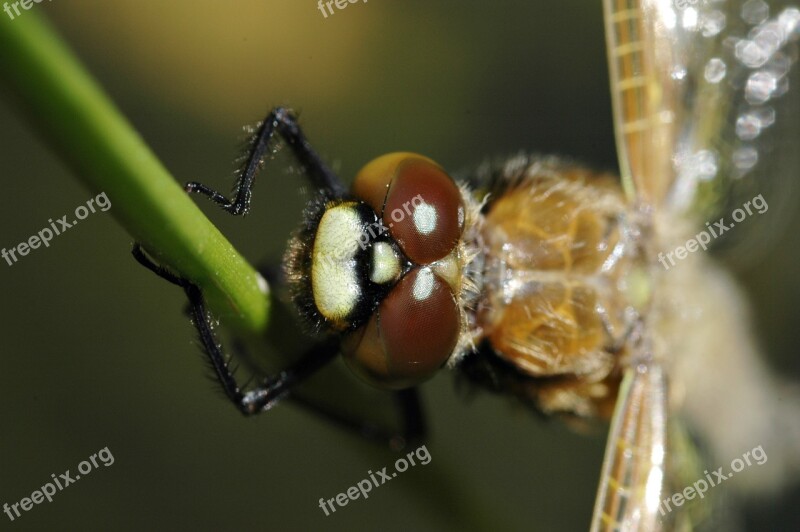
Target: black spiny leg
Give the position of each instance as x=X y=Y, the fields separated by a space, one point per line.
x=273 y=389
x=283 y=122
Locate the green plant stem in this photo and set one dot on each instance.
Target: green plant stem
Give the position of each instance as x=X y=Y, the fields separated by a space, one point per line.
x=84 y=126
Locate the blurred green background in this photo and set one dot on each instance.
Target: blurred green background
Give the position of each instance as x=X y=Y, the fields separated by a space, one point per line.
x=96 y=351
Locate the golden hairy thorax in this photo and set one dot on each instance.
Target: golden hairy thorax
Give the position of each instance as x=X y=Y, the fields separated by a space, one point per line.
x=559 y=252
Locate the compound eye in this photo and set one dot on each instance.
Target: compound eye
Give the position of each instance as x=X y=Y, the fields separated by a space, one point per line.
x=420 y=204
x=423 y=211
x=412 y=334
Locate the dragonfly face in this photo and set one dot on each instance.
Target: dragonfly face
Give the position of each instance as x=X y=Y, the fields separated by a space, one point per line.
x=385 y=268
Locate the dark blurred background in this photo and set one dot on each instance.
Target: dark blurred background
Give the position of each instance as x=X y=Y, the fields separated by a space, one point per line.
x=96 y=351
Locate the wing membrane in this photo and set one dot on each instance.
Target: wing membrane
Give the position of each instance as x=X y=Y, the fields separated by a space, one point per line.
x=632 y=478
x=642 y=48
x=694 y=85
x=737 y=77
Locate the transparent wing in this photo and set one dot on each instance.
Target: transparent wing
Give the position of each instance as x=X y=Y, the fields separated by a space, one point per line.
x=695 y=87
x=632 y=479
x=641 y=47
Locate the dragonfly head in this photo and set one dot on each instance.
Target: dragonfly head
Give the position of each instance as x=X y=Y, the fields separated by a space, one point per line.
x=382 y=268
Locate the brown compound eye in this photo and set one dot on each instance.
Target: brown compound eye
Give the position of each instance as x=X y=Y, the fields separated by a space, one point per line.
x=420 y=204
x=411 y=335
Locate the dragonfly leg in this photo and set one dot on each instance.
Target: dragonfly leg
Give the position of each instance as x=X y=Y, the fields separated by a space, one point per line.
x=279 y=121
x=274 y=389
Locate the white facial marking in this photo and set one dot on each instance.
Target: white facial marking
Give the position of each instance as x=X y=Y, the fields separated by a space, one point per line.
x=425 y=218
x=333 y=266
x=385 y=263
x=423 y=284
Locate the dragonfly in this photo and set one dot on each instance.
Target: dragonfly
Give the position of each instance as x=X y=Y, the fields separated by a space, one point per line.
x=548 y=281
